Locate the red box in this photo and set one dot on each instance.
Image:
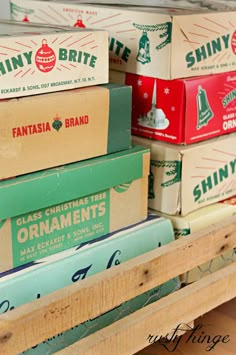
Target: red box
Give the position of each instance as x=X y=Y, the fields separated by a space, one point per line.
x=182 y=111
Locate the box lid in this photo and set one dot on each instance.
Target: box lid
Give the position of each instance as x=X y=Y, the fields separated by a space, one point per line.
x=49 y=187
x=161 y=7
x=22 y=29
x=182 y=4
x=201 y=218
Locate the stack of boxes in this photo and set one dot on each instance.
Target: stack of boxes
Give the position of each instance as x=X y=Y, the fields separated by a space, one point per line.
x=73 y=190
x=182 y=69
x=186 y=175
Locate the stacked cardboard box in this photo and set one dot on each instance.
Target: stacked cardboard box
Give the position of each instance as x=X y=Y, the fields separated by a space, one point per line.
x=186 y=178
x=181 y=111
x=63 y=207
x=65 y=172
x=33 y=56
x=205 y=4
x=199 y=220
x=51 y=129
x=154 y=42
x=168 y=57
x=150 y=46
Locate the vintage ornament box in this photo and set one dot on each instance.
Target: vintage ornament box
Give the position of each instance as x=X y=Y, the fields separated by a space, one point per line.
x=183 y=4
x=46 y=212
x=157 y=42
x=36 y=59
x=200 y=220
x=185 y=178
x=35 y=280
x=48 y=130
x=181 y=111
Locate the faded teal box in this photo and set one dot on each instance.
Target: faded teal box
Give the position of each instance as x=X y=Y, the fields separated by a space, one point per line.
x=38 y=279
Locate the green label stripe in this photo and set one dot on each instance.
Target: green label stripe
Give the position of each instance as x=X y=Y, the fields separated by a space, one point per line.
x=51 y=230
x=181 y=232
x=119 y=132
x=2 y=222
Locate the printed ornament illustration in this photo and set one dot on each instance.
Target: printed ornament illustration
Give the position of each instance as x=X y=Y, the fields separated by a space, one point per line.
x=151 y=193
x=57 y=124
x=143 y=55
x=172 y=168
x=15 y=10
x=233 y=42
x=205 y=113
x=79 y=22
x=45 y=58
x=25 y=19
x=182 y=232
x=155 y=118
x=122 y=187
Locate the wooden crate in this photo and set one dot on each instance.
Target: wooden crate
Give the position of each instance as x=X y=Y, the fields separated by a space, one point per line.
x=35 y=322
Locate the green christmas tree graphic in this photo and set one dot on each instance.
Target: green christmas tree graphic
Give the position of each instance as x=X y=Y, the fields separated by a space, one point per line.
x=174 y=172
x=15 y=10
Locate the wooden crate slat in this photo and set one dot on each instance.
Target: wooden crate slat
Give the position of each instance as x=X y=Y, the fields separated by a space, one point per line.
x=130 y=334
x=33 y=323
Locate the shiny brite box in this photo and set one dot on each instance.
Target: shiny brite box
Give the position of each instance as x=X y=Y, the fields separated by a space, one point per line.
x=181 y=111
x=163 y=43
x=36 y=59
x=185 y=178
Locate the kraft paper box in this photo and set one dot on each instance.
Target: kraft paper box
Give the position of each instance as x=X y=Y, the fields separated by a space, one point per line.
x=35 y=60
x=55 y=272
x=200 y=220
x=183 y=4
x=155 y=42
x=46 y=212
x=43 y=131
x=181 y=111
x=185 y=178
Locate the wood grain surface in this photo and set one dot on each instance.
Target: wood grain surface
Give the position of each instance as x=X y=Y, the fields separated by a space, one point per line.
x=220 y=321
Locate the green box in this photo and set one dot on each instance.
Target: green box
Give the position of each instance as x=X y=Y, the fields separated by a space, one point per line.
x=46 y=212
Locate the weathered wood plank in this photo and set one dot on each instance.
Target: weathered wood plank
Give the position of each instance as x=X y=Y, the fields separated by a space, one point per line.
x=130 y=334
x=219 y=321
x=30 y=324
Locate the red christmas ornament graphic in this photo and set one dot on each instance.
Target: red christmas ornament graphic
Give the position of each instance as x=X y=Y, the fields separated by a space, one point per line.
x=25 y=19
x=233 y=42
x=45 y=58
x=79 y=22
